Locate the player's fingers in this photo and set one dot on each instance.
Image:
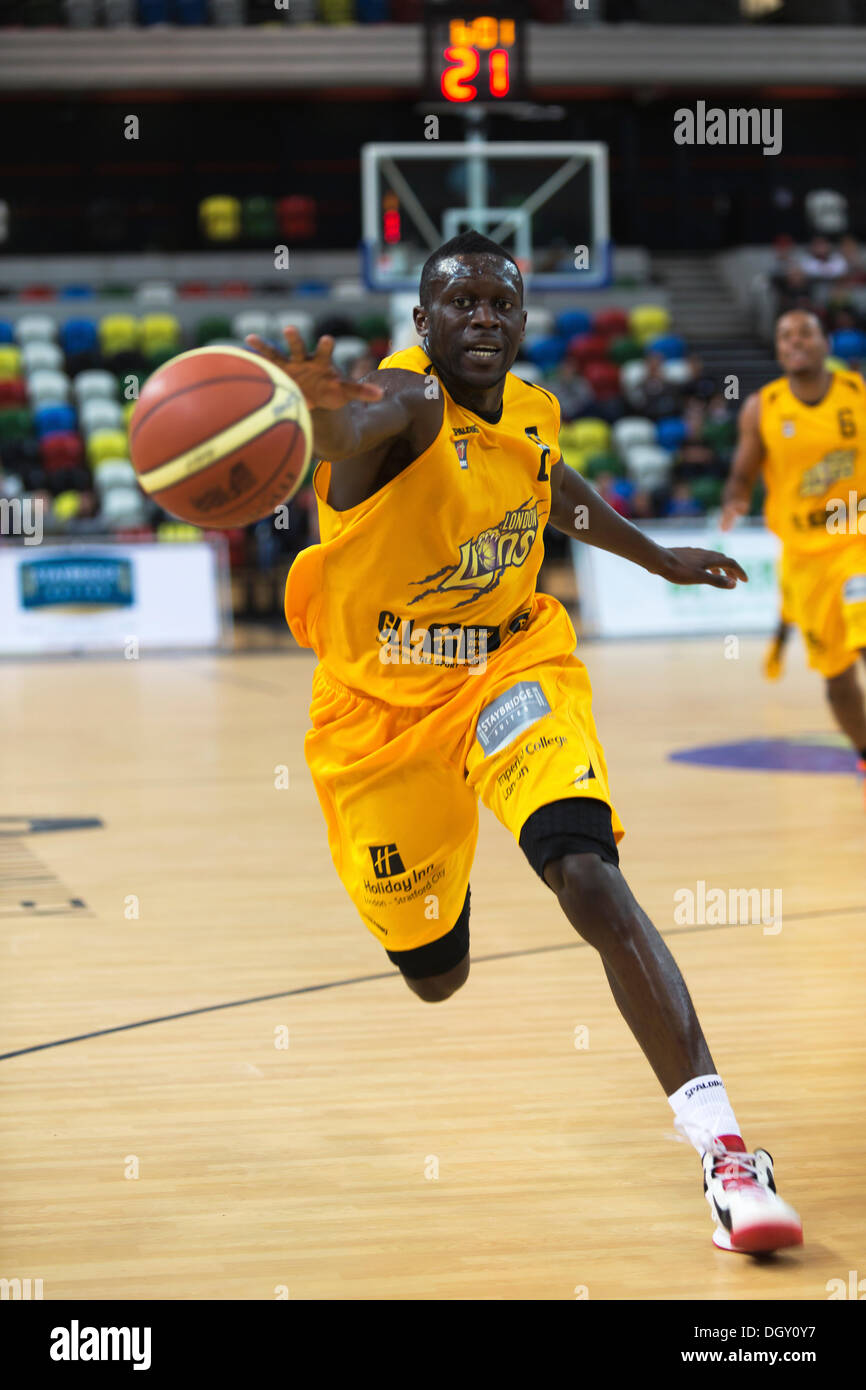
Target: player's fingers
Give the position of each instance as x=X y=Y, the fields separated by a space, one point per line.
x=718 y=581
x=725 y=563
x=295 y=344
x=264 y=349
x=324 y=349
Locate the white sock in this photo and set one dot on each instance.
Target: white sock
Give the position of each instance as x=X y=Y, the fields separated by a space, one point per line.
x=703 y=1111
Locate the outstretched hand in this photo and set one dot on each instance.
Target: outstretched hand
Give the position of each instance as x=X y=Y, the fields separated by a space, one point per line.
x=321 y=384
x=686 y=565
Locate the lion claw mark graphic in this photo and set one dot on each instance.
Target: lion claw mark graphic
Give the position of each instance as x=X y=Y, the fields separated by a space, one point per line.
x=485 y=557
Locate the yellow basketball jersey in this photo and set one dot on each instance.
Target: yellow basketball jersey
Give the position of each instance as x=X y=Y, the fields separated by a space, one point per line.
x=414 y=588
x=815 y=455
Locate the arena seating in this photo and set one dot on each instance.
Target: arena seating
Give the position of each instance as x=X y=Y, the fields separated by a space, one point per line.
x=631 y=420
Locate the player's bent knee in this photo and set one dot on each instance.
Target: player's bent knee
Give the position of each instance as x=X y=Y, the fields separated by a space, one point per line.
x=437 y=970
x=436 y=988
x=593 y=895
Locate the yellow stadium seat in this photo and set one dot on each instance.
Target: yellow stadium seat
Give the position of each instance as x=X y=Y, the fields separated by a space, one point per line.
x=220 y=218
x=66 y=505
x=835 y=364
x=159 y=330
x=106 y=444
x=590 y=436
x=10 y=362
x=648 y=321
x=118 y=333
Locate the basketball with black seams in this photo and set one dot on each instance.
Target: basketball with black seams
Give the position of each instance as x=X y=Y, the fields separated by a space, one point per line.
x=220 y=437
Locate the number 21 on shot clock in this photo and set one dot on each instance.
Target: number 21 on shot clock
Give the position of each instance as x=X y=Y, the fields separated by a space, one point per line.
x=474 y=57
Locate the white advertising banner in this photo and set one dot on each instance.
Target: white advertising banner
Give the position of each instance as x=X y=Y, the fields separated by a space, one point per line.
x=99 y=596
x=618 y=599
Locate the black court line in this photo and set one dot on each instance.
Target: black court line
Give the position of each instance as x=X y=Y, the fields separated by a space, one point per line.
x=389 y=974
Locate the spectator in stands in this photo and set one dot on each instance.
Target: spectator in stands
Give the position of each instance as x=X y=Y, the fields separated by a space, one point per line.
x=681 y=502
x=571 y=390
x=701 y=384
x=617 y=492
x=822 y=261
x=362 y=366
x=849 y=248
x=654 y=397
x=794 y=291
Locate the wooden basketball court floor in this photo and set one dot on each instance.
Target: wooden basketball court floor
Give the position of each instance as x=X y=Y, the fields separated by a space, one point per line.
x=215 y=1085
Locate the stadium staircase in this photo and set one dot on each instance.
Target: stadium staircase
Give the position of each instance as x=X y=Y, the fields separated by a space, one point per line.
x=713 y=323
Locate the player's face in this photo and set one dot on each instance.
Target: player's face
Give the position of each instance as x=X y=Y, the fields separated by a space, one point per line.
x=800 y=344
x=475 y=321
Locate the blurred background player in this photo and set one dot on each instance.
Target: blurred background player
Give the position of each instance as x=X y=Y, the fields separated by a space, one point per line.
x=804 y=431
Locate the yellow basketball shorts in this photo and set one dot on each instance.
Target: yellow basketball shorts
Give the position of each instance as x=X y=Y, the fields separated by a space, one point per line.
x=825 y=595
x=399 y=787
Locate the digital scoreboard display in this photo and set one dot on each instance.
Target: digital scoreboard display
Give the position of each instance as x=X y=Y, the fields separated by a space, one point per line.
x=475 y=55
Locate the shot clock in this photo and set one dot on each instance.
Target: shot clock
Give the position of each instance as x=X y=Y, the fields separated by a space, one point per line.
x=474 y=54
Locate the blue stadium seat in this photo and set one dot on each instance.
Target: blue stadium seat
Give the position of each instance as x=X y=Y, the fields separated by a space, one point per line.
x=669 y=345
x=848 y=343
x=7 y=332
x=153 y=12
x=76 y=292
x=191 y=12
x=572 y=322
x=546 y=352
x=671 y=432
x=372 y=11
x=79 y=335
x=53 y=419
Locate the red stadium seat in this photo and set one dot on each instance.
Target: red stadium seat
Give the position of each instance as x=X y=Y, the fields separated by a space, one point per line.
x=296 y=217
x=235 y=289
x=194 y=289
x=610 y=322
x=587 y=347
x=603 y=377
x=62 y=450
x=37 y=292
x=13 y=392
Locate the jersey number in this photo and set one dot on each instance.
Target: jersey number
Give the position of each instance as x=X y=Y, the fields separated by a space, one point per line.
x=847 y=426
x=531 y=432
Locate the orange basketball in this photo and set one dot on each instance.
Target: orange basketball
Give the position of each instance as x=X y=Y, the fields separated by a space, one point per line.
x=220 y=437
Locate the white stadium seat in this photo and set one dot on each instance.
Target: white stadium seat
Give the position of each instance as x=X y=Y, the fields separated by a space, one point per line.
x=631 y=430
x=95 y=385
x=35 y=328
x=347 y=351
x=48 y=387
x=113 y=473
x=99 y=414
x=648 y=465
x=252 y=321
x=38 y=355
x=677 y=372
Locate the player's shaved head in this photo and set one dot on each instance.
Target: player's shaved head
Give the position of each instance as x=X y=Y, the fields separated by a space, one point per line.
x=448 y=260
x=799 y=320
x=801 y=344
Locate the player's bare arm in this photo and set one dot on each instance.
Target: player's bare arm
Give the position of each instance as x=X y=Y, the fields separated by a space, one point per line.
x=573 y=497
x=737 y=496
x=361 y=427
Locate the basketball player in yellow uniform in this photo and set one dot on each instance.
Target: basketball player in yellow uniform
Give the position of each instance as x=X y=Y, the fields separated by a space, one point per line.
x=806 y=432
x=445 y=679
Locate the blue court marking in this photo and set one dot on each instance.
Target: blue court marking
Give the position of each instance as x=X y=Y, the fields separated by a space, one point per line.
x=820 y=753
x=387 y=975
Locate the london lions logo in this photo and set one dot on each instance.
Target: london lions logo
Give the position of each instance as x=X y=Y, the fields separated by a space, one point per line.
x=485 y=558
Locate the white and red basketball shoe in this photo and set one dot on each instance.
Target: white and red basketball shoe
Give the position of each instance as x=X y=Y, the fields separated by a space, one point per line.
x=750 y=1216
